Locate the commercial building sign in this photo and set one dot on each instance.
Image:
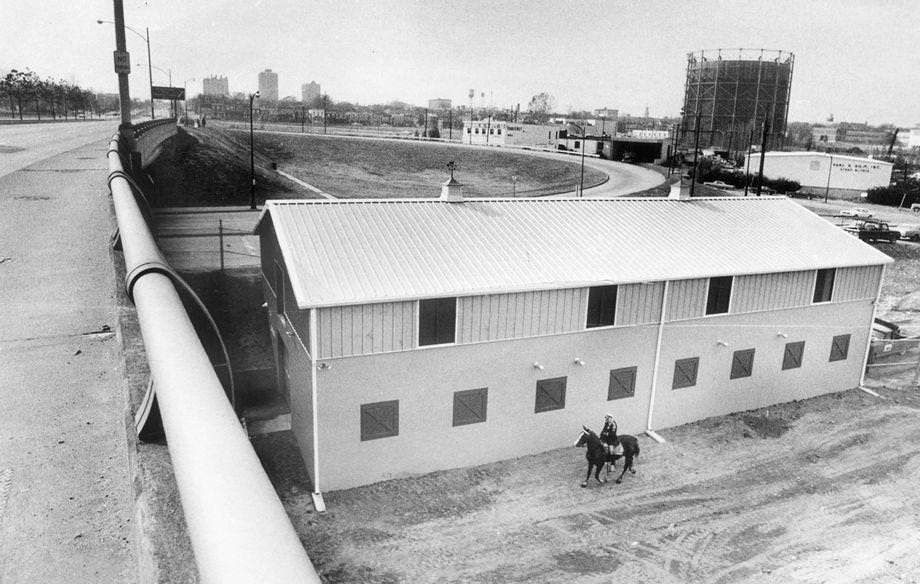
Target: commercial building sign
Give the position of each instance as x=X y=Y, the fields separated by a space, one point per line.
x=170 y=93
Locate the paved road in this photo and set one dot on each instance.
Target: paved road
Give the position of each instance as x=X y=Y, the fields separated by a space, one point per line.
x=25 y=144
x=66 y=463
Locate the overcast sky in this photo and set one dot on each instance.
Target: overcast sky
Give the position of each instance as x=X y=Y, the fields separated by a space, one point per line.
x=855 y=59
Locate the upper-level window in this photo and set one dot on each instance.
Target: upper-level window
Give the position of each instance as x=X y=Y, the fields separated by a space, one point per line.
x=824 y=285
x=437 y=319
x=602 y=306
x=720 y=293
x=499 y=131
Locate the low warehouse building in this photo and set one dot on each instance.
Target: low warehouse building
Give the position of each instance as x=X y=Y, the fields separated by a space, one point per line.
x=836 y=175
x=426 y=334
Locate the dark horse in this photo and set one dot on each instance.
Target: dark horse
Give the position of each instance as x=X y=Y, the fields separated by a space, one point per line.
x=597 y=454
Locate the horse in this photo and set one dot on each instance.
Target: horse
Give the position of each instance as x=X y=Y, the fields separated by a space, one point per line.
x=598 y=456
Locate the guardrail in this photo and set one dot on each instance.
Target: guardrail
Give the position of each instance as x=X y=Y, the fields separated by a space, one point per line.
x=149 y=137
x=239 y=529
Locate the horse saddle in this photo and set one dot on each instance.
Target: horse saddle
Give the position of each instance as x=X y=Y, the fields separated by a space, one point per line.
x=615 y=450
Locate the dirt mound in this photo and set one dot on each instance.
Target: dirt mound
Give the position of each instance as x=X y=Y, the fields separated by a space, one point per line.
x=207 y=167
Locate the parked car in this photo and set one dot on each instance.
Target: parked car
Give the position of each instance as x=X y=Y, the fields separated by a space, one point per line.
x=869 y=230
x=719 y=185
x=857 y=212
x=909 y=231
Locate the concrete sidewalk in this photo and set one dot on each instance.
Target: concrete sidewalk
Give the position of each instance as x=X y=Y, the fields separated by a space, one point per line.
x=67 y=462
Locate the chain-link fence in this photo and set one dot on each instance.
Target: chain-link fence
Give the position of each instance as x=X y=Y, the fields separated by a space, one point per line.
x=893 y=363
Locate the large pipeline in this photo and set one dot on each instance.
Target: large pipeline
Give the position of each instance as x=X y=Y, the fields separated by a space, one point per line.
x=239 y=529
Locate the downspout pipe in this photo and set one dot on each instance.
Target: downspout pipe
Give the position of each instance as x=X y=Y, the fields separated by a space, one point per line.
x=651 y=400
x=239 y=530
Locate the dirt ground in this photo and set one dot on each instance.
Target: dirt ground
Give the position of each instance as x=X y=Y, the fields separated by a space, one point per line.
x=821 y=490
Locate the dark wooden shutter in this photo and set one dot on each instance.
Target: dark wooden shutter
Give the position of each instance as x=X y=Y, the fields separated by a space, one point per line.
x=720 y=293
x=792 y=356
x=685 y=372
x=379 y=420
x=840 y=346
x=437 y=320
x=622 y=383
x=470 y=406
x=550 y=395
x=742 y=363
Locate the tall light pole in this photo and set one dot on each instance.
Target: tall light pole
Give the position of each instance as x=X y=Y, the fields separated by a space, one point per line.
x=146 y=40
x=185 y=96
x=122 y=69
x=581 y=184
x=252 y=157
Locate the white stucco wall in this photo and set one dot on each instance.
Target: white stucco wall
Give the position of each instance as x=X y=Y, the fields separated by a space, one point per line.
x=814 y=170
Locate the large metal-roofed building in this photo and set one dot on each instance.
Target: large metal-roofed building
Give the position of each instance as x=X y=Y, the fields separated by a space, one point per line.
x=417 y=335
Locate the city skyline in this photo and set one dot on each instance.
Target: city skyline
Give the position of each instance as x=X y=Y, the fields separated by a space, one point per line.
x=855 y=59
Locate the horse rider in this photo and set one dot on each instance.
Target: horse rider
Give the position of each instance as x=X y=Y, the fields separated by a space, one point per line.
x=609 y=437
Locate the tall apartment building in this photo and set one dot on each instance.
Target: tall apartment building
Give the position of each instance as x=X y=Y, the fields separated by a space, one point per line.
x=216 y=86
x=310 y=91
x=268 y=85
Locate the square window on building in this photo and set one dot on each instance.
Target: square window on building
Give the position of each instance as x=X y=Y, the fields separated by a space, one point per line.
x=840 y=347
x=720 y=293
x=550 y=395
x=468 y=130
x=602 y=306
x=491 y=131
x=470 y=406
x=792 y=356
x=685 y=372
x=577 y=144
x=499 y=131
x=379 y=420
x=824 y=285
x=622 y=383
x=742 y=363
x=437 y=319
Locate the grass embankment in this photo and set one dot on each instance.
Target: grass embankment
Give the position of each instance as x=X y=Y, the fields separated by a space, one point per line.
x=362 y=168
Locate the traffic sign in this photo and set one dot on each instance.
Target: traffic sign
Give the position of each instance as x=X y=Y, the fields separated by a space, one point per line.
x=122 y=62
x=170 y=93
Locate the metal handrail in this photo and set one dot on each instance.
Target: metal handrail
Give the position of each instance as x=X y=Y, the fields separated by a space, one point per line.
x=238 y=527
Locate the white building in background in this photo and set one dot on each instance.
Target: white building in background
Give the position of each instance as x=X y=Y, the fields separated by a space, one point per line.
x=495 y=133
x=837 y=175
x=913 y=138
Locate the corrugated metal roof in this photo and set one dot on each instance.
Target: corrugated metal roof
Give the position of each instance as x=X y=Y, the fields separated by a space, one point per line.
x=360 y=251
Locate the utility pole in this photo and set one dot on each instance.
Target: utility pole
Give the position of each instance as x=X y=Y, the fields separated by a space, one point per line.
x=450 y=117
x=763 y=154
x=696 y=149
x=121 y=56
x=747 y=162
x=324 y=113
x=303 y=117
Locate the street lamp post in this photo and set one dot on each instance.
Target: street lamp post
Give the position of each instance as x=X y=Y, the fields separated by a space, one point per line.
x=149 y=66
x=252 y=157
x=185 y=96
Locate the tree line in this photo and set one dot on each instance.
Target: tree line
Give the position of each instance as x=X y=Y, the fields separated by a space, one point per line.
x=28 y=94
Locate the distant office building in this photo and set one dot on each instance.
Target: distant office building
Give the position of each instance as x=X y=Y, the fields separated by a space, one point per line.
x=310 y=91
x=439 y=104
x=268 y=85
x=913 y=138
x=216 y=86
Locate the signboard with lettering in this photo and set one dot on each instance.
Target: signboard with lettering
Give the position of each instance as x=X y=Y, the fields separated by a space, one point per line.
x=170 y=93
x=122 y=63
